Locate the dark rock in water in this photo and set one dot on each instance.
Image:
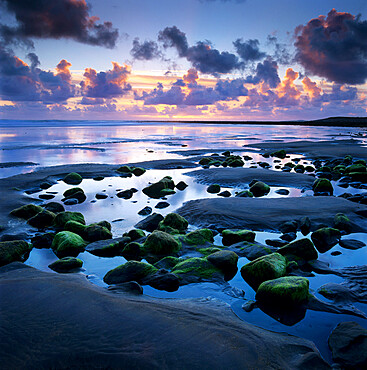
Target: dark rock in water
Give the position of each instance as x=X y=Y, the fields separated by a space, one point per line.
x=98 y=178
x=95 y=232
x=173 y=222
x=108 y=247
x=32 y=190
x=15 y=250
x=325 y=238
x=66 y=243
x=305 y=225
x=282 y=191
x=11 y=237
x=323 y=186
x=279 y=154
x=45 y=185
x=128 y=287
x=342 y=222
x=54 y=207
x=245 y=194
x=161 y=243
x=277 y=243
x=145 y=211
x=150 y=223
x=161 y=205
x=225 y=194
x=163 y=280
x=288 y=236
x=130 y=271
x=213 y=189
x=302 y=248
x=348 y=344
x=42 y=219
x=288 y=227
x=125 y=194
x=336 y=253
x=232 y=237
x=135 y=234
x=27 y=211
x=101 y=196
x=138 y=171
x=63 y=217
x=198 y=237
x=73 y=178
x=43 y=240
x=259 y=189
x=71 y=201
x=77 y=194
x=46 y=196
x=105 y=224
x=351 y=244
x=154 y=190
x=167 y=263
x=132 y=251
x=181 y=185
x=66 y=264
x=224 y=260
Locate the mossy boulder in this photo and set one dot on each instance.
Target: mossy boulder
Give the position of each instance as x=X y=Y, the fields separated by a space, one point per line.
x=199 y=237
x=195 y=269
x=54 y=207
x=299 y=168
x=358 y=176
x=135 y=234
x=66 y=264
x=213 y=189
x=63 y=217
x=209 y=250
x=264 y=268
x=259 y=189
x=124 y=169
x=42 y=219
x=279 y=154
x=302 y=248
x=356 y=168
x=75 y=193
x=132 y=251
x=95 y=232
x=27 y=211
x=234 y=161
x=252 y=250
x=138 y=171
x=154 y=190
x=175 y=221
x=342 y=222
x=160 y=243
x=205 y=161
x=325 y=238
x=322 y=186
x=224 y=260
x=75 y=227
x=232 y=237
x=284 y=291
x=167 y=262
x=15 y=250
x=70 y=192
x=166 y=192
x=73 y=178
x=130 y=271
x=67 y=243
x=245 y=194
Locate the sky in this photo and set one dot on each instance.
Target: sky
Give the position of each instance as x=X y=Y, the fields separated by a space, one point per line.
x=182 y=59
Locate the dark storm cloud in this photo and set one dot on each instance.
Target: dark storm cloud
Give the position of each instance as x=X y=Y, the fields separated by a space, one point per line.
x=281 y=52
x=334 y=47
x=249 y=50
x=202 y=55
x=267 y=71
x=57 y=19
x=146 y=50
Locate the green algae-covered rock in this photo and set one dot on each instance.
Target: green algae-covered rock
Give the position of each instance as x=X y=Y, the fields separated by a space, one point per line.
x=70 y=192
x=325 y=238
x=199 y=237
x=27 y=211
x=264 y=268
x=75 y=227
x=66 y=264
x=95 y=232
x=232 y=237
x=284 y=291
x=245 y=194
x=299 y=168
x=358 y=176
x=356 y=168
x=205 y=161
x=73 y=178
x=63 y=217
x=160 y=242
x=234 y=161
x=175 y=221
x=132 y=251
x=167 y=262
x=309 y=168
x=165 y=192
x=207 y=251
x=124 y=169
x=67 y=243
x=252 y=250
x=213 y=189
x=130 y=271
x=224 y=260
x=154 y=190
x=302 y=248
x=42 y=219
x=322 y=186
x=279 y=154
x=259 y=189
x=193 y=268
x=135 y=234
x=138 y=171
x=15 y=250
x=105 y=224
x=342 y=222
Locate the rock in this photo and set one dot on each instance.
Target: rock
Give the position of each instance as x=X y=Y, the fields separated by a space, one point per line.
x=322 y=186
x=160 y=242
x=174 y=221
x=251 y=251
x=124 y=169
x=305 y=225
x=288 y=236
x=43 y=240
x=167 y=263
x=42 y=219
x=75 y=227
x=351 y=244
x=15 y=250
x=63 y=217
x=284 y=291
x=356 y=168
x=138 y=171
x=73 y=178
x=348 y=344
x=302 y=248
x=224 y=260
x=108 y=247
x=325 y=238
x=282 y=191
x=166 y=192
x=342 y=223
x=161 y=205
x=181 y=186
x=67 y=243
x=132 y=251
x=145 y=211
x=98 y=178
x=70 y=192
x=245 y=194
x=279 y=154
x=213 y=189
x=105 y=224
x=150 y=223
x=45 y=185
x=66 y=264
x=27 y=211
x=93 y=233
x=46 y=196
x=11 y=237
x=234 y=161
x=163 y=280
x=264 y=268
x=130 y=271
x=199 y=237
x=225 y=194
x=259 y=189
x=54 y=207
x=154 y=190
x=288 y=227
x=71 y=201
x=277 y=243
x=299 y=168
x=101 y=196
x=125 y=194
x=232 y=237
x=135 y=234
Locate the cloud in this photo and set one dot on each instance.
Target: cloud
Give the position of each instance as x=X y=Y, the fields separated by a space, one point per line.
x=267 y=72
x=173 y=96
x=146 y=50
x=57 y=19
x=173 y=37
x=109 y=84
x=334 y=47
x=249 y=50
x=311 y=88
x=281 y=54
